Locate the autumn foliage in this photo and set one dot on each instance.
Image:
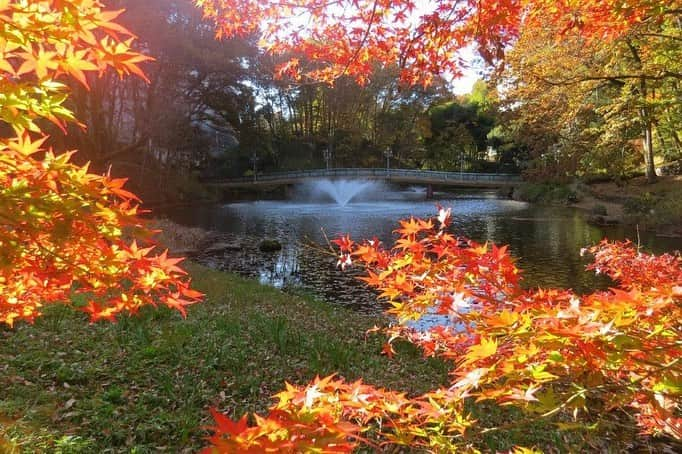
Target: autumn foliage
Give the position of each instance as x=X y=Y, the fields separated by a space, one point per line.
x=608 y=358
x=63 y=230
x=322 y=40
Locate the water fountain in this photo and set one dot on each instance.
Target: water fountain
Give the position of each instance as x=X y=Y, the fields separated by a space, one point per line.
x=342 y=191
x=545 y=237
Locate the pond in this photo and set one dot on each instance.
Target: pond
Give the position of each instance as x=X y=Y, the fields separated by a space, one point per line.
x=546 y=240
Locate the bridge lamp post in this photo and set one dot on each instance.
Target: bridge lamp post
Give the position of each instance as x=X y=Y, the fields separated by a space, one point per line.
x=254 y=161
x=389 y=154
x=327 y=153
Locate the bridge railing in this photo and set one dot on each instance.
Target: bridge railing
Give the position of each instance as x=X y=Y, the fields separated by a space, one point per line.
x=377 y=173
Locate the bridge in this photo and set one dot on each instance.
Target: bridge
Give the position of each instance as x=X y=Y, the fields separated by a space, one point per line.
x=407 y=176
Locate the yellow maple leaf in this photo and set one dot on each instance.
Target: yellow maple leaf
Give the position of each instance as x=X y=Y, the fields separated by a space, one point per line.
x=484 y=349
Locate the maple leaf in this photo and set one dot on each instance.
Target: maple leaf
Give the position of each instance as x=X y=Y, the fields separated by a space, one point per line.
x=373 y=279
x=344 y=261
x=444 y=217
x=412 y=227
x=41 y=63
x=485 y=348
x=388 y=350
x=76 y=63
x=471 y=379
x=344 y=243
x=226 y=425
x=106 y=21
x=516 y=394
x=504 y=319
x=409 y=243
x=25 y=146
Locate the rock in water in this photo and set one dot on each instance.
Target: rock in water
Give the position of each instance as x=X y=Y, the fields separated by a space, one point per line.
x=270 y=246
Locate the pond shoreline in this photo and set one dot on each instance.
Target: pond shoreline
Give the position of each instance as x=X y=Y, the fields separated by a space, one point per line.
x=251 y=257
x=545 y=240
x=605 y=204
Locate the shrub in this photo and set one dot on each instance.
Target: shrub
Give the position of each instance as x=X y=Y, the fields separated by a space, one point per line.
x=655 y=209
x=546 y=193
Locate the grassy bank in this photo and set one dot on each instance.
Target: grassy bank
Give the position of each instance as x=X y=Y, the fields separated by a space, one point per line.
x=146 y=383
x=546 y=193
x=659 y=206
x=656 y=207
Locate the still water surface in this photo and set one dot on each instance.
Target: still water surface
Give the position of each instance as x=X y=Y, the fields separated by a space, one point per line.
x=546 y=240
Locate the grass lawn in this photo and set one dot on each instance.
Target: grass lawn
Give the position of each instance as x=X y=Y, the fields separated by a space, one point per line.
x=146 y=382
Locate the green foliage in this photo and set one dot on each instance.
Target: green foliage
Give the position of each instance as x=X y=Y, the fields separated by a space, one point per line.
x=546 y=193
x=458 y=136
x=655 y=208
x=295 y=124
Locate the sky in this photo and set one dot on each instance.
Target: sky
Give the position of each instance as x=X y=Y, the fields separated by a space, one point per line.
x=464 y=84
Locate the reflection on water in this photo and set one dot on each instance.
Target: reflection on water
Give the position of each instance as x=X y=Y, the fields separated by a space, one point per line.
x=546 y=240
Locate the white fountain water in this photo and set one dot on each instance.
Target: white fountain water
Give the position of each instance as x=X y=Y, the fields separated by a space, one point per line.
x=343 y=191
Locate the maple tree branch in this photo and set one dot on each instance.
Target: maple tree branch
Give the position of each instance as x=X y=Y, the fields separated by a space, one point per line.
x=524 y=422
x=403 y=59
x=122 y=151
x=571 y=398
x=663 y=36
x=615 y=78
x=364 y=39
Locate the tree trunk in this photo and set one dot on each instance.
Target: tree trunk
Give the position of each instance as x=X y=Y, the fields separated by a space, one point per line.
x=645 y=117
x=650 y=170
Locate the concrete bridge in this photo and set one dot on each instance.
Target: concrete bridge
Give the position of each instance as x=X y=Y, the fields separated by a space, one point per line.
x=407 y=176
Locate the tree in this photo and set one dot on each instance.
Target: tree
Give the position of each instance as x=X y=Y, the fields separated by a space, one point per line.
x=614 y=94
x=458 y=138
x=351 y=36
x=63 y=231
x=356 y=123
x=557 y=122
x=187 y=118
